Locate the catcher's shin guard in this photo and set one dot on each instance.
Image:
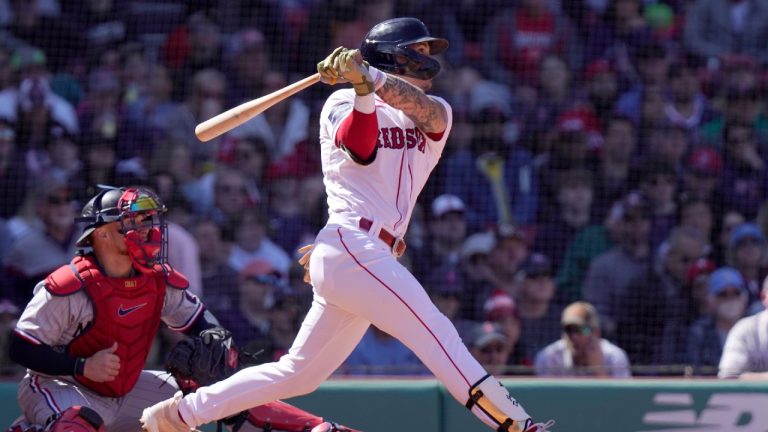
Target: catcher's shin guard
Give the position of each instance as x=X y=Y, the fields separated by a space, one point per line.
x=494 y=400
x=78 y=419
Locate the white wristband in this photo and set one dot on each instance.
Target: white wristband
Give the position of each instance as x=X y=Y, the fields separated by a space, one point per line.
x=378 y=77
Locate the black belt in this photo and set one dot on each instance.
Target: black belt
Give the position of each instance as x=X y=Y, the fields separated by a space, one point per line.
x=395 y=243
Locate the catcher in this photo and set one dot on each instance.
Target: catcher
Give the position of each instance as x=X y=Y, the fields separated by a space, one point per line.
x=86 y=334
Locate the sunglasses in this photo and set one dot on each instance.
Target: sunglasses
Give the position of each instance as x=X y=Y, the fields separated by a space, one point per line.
x=572 y=329
x=729 y=293
x=492 y=349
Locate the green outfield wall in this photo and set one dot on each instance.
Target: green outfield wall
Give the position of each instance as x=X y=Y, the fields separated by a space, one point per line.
x=577 y=405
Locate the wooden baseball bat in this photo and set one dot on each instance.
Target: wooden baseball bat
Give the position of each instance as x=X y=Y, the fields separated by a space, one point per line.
x=240 y=114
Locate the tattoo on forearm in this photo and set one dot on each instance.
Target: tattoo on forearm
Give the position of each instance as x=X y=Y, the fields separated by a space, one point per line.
x=426 y=113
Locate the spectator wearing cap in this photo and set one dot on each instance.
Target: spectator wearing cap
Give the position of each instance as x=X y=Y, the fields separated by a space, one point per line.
x=745 y=354
x=746 y=252
x=251 y=242
x=491 y=347
x=655 y=311
x=288 y=218
x=539 y=313
x=33 y=93
x=686 y=106
x=14 y=175
x=447 y=230
x=715 y=28
x=618 y=32
x=701 y=177
x=246 y=64
x=249 y=319
x=61 y=159
x=727 y=298
x=553 y=94
x=494 y=178
x=154 y=102
x=501 y=308
x=741 y=105
x=744 y=182
x=581 y=351
x=602 y=87
x=651 y=65
x=658 y=181
x=47 y=244
x=574 y=204
x=698 y=285
x=475 y=271
x=612 y=179
x=219 y=279
x=378 y=353
x=609 y=274
x=516 y=63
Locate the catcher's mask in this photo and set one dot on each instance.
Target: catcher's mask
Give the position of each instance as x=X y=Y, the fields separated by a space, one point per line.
x=141 y=217
x=386 y=48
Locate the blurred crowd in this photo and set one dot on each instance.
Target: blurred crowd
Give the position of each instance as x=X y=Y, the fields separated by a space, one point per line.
x=600 y=207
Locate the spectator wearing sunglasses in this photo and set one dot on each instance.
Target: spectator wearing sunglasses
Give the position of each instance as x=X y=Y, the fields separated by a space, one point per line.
x=745 y=354
x=727 y=298
x=581 y=351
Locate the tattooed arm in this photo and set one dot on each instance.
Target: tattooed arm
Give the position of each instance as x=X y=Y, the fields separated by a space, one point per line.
x=428 y=114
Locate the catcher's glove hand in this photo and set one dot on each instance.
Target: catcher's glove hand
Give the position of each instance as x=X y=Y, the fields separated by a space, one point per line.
x=203 y=360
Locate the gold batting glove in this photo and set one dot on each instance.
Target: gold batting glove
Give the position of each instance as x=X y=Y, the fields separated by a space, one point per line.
x=353 y=69
x=328 y=68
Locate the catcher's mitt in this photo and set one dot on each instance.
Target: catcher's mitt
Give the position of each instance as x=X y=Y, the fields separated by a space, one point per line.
x=203 y=360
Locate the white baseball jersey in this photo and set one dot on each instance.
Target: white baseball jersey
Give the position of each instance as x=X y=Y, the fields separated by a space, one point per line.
x=387 y=188
x=356 y=278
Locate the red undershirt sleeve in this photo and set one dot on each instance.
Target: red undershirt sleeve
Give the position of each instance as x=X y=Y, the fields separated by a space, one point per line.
x=357 y=135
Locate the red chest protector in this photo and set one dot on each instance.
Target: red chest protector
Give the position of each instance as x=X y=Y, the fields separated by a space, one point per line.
x=125 y=310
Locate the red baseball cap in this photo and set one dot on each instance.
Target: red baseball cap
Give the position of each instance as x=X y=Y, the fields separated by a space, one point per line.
x=705 y=161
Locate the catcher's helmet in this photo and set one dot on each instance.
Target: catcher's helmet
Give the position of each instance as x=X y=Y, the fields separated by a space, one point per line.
x=145 y=236
x=386 y=48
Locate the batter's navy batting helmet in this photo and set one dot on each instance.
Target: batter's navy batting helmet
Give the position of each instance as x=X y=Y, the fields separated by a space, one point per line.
x=386 y=48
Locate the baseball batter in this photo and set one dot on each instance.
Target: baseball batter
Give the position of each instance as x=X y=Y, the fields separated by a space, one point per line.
x=379 y=142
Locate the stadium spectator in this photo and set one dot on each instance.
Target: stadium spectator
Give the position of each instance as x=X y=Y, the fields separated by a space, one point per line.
x=727 y=299
x=9 y=314
x=574 y=204
x=655 y=311
x=447 y=230
x=218 y=278
x=702 y=174
x=602 y=87
x=287 y=216
x=618 y=33
x=491 y=347
x=745 y=179
x=509 y=253
x=609 y=274
x=518 y=37
x=446 y=288
x=741 y=107
x=553 y=94
x=249 y=319
x=698 y=285
x=475 y=271
x=588 y=243
x=152 y=102
x=658 y=181
x=715 y=28
x=231 y=197
x=686 y=106
x=746 y=253
x=612 y=180
x=495 y=178
x=651 y=64
x=378 y=353
x=204 y=52
x=55 y=35
x=14 y=179
x=696 y=213
x=6 y=72
x=535 y=296
x=252 y=243
x=61 y=158
x=103 y=25
x=48 y=244
x=745 y=354
x=668 y=144
x=581 y=351
x=724 y=228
